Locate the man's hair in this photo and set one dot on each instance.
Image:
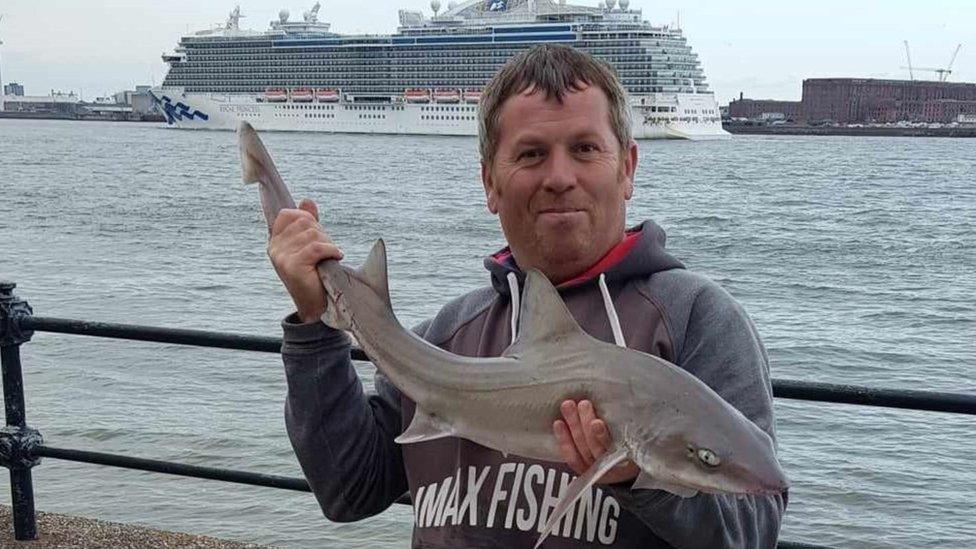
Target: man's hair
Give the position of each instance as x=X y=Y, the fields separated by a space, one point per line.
x=555 y=70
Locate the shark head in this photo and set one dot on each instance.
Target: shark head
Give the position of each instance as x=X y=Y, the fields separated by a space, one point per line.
x=684 y=437
x=708 y=446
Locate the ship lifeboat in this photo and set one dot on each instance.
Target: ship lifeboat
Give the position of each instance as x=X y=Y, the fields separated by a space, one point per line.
x=276 y=95
x=302 y=95
x=472 y=96
x=417 y=95
x=447 y=95
x=327 y=95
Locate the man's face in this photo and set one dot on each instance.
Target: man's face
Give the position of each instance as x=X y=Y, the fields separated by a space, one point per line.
x=559 y=181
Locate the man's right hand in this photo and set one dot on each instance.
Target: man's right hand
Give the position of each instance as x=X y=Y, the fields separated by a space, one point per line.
x=296 y=245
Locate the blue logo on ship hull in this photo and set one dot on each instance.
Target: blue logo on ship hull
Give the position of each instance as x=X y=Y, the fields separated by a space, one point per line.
x=179 y=111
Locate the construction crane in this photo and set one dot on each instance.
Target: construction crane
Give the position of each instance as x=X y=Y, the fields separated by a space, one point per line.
x=908 y=54
x=948 y=69
x=943 y=73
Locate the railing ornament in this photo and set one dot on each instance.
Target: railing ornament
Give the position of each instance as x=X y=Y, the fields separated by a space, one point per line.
x=12 y=308
x=17 y=446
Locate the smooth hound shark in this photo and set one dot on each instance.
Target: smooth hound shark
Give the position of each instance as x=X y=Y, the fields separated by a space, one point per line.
x=684 y=437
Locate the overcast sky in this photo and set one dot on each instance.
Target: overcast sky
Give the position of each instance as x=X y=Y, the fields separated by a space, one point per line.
x=763 y=48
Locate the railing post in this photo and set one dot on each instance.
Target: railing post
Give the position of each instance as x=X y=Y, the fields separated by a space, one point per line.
x=17 y=440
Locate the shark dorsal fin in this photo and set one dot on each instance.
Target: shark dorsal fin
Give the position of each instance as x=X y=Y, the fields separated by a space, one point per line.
x=373 y=271
x=543 y=318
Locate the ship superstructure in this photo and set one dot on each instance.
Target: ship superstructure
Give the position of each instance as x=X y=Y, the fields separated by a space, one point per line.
x=427 y=77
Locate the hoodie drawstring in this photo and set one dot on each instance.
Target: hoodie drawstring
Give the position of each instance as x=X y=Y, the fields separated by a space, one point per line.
x=618 y=335
x=516 y=308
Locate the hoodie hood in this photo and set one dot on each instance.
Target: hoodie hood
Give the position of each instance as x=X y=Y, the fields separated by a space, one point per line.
x=640 y=254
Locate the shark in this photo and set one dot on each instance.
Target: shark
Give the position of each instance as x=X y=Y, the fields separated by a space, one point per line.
x=683 y=436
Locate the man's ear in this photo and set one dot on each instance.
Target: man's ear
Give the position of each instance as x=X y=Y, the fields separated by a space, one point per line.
x=490 y=195
x=630 y=168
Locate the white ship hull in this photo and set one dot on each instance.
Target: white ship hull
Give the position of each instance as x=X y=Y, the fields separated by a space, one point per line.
x=659 y=116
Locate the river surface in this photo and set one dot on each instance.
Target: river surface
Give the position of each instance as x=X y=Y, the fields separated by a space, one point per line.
x=856 y=257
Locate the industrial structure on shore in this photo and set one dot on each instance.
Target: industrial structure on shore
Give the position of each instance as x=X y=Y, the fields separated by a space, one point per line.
x=846 y=101
x=128 y=105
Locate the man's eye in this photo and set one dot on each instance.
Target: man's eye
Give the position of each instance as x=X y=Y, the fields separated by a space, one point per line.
x=587 y=148
x=530 y=154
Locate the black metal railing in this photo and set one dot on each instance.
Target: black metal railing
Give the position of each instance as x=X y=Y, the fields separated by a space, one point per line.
x=22 y=447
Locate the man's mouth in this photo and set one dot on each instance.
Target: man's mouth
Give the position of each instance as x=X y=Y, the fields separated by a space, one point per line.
x=560 y=210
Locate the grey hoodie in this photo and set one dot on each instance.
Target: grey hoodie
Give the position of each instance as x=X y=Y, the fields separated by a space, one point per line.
x=466 y=495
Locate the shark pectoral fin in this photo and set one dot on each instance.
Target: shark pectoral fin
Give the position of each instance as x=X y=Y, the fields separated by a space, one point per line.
x=647 y=482
x=576 y=488
x=425 y=427
x=544 y=317
x=373 y=272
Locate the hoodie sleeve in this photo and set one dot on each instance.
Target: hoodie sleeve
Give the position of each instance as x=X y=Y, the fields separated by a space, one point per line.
x=722 y=348
x=342 y=435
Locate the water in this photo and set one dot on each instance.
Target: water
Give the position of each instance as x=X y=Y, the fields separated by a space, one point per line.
x=855 y=257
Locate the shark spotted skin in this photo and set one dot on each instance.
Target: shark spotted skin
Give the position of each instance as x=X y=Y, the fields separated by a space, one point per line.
x=684 y=437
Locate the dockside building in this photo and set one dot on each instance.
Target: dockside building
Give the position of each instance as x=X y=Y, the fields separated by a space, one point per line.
x=14 y=89
x=863 y=100
x=764 y=109
x=869 y=101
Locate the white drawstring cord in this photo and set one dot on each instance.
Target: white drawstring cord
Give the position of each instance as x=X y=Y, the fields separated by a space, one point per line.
x=514 y=290
x=618 y=335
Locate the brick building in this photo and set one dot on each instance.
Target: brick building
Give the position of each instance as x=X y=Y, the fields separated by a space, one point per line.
x=863 y=100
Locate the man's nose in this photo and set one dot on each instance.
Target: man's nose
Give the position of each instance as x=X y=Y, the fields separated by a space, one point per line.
x=561 y=171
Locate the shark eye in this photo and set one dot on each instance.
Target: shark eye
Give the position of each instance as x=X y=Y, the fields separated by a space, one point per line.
x=708 y=457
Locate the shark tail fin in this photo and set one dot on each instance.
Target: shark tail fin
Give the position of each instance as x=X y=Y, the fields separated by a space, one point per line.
x=256 y=164
x=578 y=487
x=373 y=272
x=258 y=167
x=544 y=316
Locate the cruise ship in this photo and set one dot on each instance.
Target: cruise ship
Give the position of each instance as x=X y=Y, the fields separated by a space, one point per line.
x=426 y=78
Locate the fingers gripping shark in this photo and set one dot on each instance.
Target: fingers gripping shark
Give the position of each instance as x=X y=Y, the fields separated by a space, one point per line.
x=684 y=437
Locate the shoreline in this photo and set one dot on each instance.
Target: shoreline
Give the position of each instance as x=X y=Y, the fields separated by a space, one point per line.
x=56 y=530
x=14 y=115
x=735 y=129
x=877 y=131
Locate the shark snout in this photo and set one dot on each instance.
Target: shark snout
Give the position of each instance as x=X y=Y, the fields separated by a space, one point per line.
x=773 y=486
x=766 y=477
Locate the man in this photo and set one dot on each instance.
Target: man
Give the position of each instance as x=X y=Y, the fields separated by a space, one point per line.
x=558 y=167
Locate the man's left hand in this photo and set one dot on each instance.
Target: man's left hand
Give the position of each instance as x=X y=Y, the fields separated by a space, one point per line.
x=583 y=438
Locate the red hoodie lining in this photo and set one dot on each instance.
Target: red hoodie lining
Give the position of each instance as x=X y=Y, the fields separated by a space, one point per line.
x=613 y=257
